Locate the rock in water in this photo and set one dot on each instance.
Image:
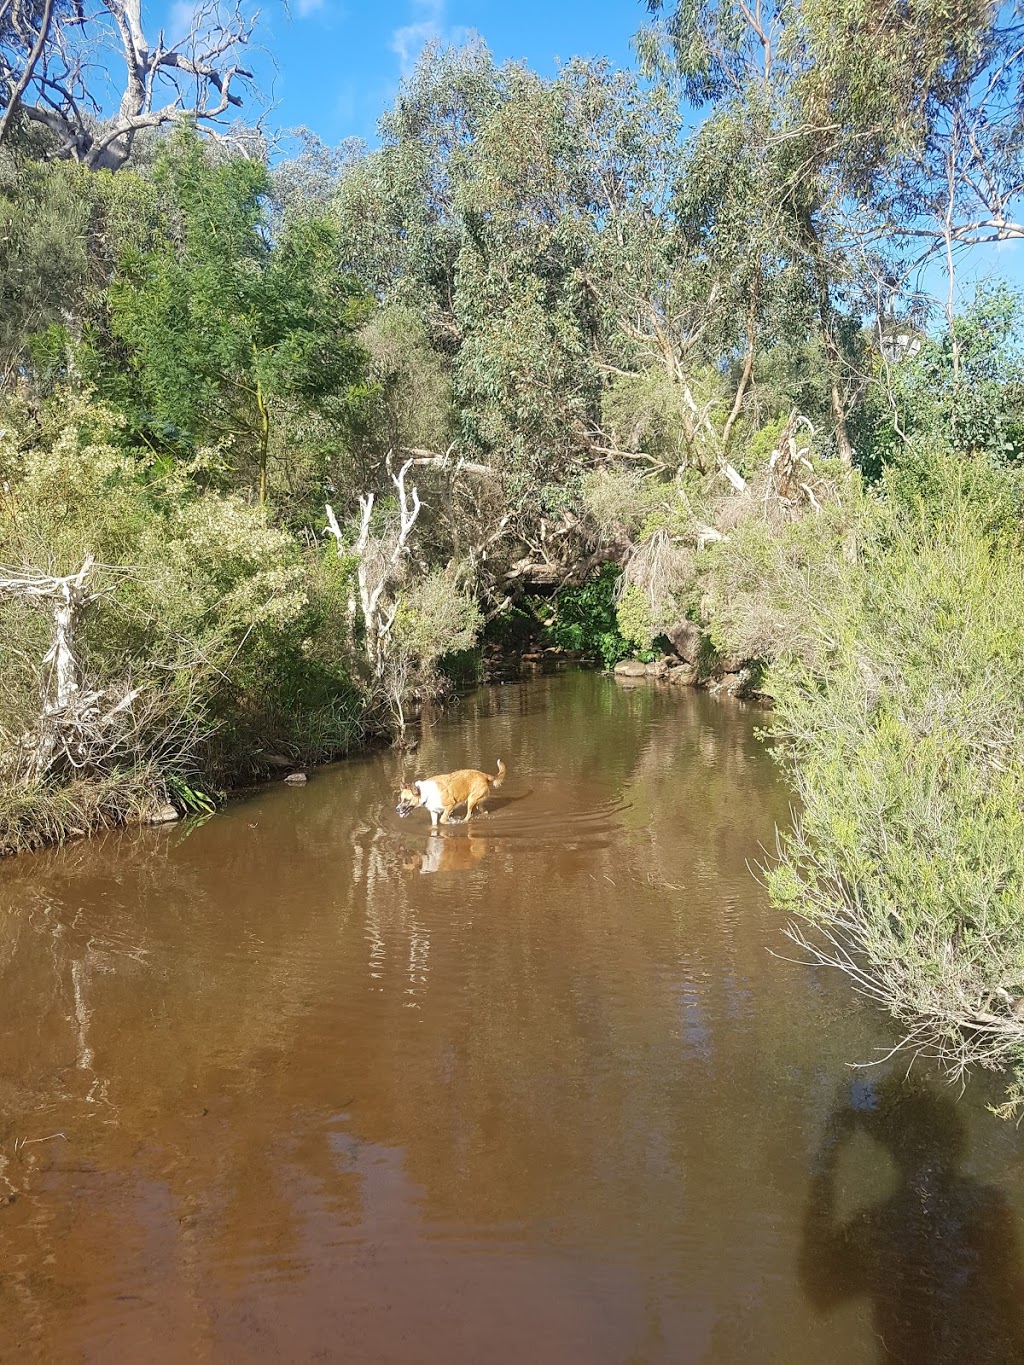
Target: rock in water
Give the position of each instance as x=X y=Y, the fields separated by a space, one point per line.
x=163 y=815
x=683 y=675
x=630 y=668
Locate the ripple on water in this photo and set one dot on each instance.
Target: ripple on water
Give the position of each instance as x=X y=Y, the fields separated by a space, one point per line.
x=316 y=1102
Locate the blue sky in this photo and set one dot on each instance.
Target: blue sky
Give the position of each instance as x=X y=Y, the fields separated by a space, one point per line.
x=339 y=62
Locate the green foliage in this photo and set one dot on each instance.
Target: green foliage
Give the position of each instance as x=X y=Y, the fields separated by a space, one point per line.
x=411 y=399
x=648 y=412
x=583 y=619
x=963 y=389
x=436 y=617
x=505 y=211
x=752 y=588
x=626 y=504
x=61 y=230
x=225 y=332
x=234 y=637
x=905 y=741
x=189 y=800
x=634 y=620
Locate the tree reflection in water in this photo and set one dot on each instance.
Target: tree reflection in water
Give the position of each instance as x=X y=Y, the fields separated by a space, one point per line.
x=938 y=1259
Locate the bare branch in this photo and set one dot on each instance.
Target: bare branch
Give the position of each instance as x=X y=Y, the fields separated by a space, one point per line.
x=200 y=75
x=13 y=99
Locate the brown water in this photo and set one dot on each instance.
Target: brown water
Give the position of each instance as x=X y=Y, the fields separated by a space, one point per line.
x=307 y=1083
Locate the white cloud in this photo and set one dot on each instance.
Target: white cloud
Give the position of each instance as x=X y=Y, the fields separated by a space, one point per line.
x=304 y=8
x=428 y=25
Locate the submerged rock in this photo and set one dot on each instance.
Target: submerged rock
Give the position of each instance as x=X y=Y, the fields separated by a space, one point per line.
x=163 y=814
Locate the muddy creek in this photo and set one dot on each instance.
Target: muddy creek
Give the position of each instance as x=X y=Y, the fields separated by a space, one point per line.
x=307 y=1083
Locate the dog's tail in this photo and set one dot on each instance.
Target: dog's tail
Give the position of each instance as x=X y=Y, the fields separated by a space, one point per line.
x=496 y=782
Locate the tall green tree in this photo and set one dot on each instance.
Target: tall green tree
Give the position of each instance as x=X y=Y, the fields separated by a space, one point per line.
x=227 y=330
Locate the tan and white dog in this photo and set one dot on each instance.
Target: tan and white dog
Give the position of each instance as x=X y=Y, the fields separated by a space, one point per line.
x=443 y=793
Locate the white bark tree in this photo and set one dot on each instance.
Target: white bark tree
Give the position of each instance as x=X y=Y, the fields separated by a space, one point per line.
x=56 y=57
x=378 y=557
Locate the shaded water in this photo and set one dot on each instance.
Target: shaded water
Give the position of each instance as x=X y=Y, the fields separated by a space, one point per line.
x=307 y=1083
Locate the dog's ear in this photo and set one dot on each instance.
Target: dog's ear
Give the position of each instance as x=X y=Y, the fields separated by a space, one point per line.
x=416 y=788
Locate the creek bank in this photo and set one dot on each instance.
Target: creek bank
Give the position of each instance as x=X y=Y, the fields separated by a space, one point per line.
x=502 y=663
x=690 y=660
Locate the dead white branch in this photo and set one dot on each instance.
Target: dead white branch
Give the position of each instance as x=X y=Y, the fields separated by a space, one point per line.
x=196 y=76
x=378 y=560
x=419 y=456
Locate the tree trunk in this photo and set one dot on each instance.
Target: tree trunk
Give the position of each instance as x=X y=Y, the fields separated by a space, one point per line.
x=833 y=352
x=748 y=366
x=264 y=443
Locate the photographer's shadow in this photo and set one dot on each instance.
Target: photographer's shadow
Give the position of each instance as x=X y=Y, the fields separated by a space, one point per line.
x=938 y=1259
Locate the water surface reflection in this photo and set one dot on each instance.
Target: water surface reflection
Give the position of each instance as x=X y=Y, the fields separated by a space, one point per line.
x=307 y=1082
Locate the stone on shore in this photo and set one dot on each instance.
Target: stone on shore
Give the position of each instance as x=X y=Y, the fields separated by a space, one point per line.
x=685 y=639
x=683 y=675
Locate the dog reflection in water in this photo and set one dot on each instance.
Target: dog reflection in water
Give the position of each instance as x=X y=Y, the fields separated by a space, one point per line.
x=448 y=855
x=444 y=793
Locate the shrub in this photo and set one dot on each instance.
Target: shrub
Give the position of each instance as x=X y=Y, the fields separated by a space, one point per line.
x=231 y=638
x=434 y=617
x=905 y=743
x=584 y=620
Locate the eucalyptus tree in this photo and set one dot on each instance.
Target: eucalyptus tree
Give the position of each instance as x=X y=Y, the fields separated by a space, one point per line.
x=522 y=221
x=856 y=117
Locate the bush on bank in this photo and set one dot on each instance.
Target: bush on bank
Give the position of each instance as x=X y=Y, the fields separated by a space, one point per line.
x=232 y=637
x=904 y=740
x=891 y=623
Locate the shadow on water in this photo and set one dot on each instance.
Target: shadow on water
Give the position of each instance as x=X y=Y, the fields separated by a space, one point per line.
x=498 y=803
x=938 y=1259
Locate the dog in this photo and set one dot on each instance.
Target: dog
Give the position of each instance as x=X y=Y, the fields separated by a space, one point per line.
x=443 y=793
